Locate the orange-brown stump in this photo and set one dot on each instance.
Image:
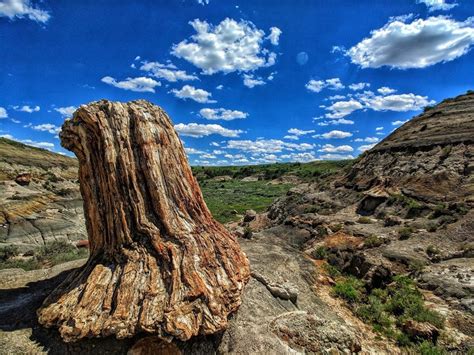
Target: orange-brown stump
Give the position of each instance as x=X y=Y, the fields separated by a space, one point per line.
x=159 y=263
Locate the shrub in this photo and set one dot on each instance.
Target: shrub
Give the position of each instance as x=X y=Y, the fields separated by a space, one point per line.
x=248 y=232
x=349 y=289
x=336 y=227
x=373 y=241
x=364 y=220
x=405 y=233
x=332 y=270
x=8 y=252
x=427 y=348
x=320 y=253
x=431 y=227
x=431 y=250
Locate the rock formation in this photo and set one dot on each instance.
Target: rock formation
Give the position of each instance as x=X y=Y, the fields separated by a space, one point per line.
x=159 y=262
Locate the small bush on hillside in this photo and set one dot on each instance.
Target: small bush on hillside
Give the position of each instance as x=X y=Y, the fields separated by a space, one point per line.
x=8 y=252
x=405 y=233
x=373 y=241
x=431 y=250
x=364 y=220
x=349 y=289
x=332 y=270
x=320 y=253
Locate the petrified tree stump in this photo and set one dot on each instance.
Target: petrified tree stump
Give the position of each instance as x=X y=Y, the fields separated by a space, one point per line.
x=159 y=262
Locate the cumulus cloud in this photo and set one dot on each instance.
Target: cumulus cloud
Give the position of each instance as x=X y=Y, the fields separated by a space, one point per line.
x=250 y=81
x=419 y=44
x=359 y=86
x=27 y=108
x=191 y=151
x=400 y=103
x=300 y=157
x=365 y=147
x=437 y=5
x=222 y=114
x=267 y=146
x=201 y=130
x=291 y=137
x=379 y=129
x=66 y=111
x=3 y=113
x=398 y=122
x=274 y=35
x=299 y=132
x=319 y=85
x=190 y=92
x=332 y=156
x=168 y=72
x=23 y=9
x=47 y=127
x=230 y=46
x=329 y=148
x=341 y=109
x=384 y=90
x=203 y=2
x=335 y=134
x=367 y=140
x=139 y=84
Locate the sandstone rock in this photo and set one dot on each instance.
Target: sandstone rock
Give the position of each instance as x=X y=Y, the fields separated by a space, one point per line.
x=23 y=179
x=152 y=346
x=159 y=263
x=417 y=330
x=249 y=215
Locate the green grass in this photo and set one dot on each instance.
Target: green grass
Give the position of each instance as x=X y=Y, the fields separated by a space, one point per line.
x=224 y=197
x=53 y=253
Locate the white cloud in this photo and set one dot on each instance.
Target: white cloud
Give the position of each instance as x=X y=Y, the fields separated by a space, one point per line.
x=331 y=156
x=219 y=87
x=340 y=121
x=3 y=113
x=336 y=97
x=418 y=44
x=299 y=132
x=367 y=140
x=47 y=127
x=399 y=122
x=365 y=147
x=384 y=90
x=291 y=137
x=139 y=84
x=228 y=47
x=359 y=86
x=341 y=109
x=250 y=81
x=335 y=134
x=267 y=146
x=26 y=108
x=66 y=111
x=399 y=103
x=201 y=130
x=214 y=144
x=329 y=148
x=300 y=157
x=203 y=2
x=23 y=9
x=274 y=35
x=319 y=85
x=193 y=151
x=379 y=128
x=437 y=5
x=167 y=72
x=222 y=114
x=190 y=92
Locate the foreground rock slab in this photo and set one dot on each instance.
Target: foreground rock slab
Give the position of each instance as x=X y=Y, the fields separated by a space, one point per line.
x=159 y=262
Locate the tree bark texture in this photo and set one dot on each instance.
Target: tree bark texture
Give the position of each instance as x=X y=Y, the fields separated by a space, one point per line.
x=159 y=262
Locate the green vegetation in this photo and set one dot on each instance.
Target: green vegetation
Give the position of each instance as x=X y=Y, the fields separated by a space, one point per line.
x=364 y=220
x=405 y=233
x=305 y=171
x=226 y=199
x=51 y=254
x=332 y=270
x=349 y=288
x=373 y=241
x=431 y=250
x=320 y=253
x=388 y=309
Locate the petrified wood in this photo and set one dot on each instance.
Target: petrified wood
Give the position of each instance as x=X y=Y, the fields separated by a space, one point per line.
x=159 y=263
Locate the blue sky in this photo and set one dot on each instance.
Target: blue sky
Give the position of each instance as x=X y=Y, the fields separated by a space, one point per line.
x=244 y=82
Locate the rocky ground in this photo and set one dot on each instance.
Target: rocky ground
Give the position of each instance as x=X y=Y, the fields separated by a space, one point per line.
x=379 y=260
